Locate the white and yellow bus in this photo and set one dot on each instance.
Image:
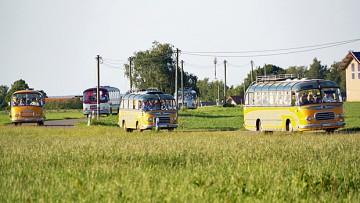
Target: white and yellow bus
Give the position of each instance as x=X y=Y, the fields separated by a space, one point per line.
x=148 y=109
x=282 y=103
x=27 y=106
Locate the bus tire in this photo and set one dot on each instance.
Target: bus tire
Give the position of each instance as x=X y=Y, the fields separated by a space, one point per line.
x=330 y=131
x=289 y=127
x=170 y=129
x=124 y=127
x=258 y=125
x=138 y=127
x=111 y=111
x=41 y=123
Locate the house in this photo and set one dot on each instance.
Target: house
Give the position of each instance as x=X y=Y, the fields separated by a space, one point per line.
x=351 y=64
x=235 y=100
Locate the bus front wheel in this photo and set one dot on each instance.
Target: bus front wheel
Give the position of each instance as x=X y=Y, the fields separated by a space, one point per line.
x=138 y=127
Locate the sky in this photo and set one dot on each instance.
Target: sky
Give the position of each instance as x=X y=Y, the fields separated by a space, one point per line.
x=52 y=45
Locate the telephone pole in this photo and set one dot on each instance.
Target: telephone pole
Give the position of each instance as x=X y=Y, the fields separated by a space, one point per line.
x=251 y=73
x=225 y=82
x=130 y=60
x=182 y=84
x=97 y=88
x=176 y=78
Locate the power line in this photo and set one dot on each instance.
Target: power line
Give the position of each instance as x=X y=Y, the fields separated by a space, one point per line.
x=297 y=50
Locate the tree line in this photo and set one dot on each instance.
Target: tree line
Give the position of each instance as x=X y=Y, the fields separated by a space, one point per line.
x=6 y=92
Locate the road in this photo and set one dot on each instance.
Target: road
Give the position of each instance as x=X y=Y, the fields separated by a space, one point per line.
x=67 y=123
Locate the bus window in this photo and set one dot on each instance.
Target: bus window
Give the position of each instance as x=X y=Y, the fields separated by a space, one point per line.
x=258 y=99
x=251 y=98
x=280 y=100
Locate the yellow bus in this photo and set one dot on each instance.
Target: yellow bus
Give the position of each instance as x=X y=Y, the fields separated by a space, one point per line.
x=148 y=109
x=27 y=106
x=285 y=103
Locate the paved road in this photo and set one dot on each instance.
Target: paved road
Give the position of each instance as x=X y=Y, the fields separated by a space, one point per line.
x=67 y=123
x=63 y=123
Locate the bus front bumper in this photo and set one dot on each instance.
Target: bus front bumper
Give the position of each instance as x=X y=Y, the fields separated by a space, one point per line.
x=338 y=124
x=27 y=120
x=160 y=126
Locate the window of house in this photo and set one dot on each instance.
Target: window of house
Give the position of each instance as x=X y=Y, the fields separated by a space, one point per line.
x=353 y=75
x=358 y=75
x=352 y=67
x=358 y=67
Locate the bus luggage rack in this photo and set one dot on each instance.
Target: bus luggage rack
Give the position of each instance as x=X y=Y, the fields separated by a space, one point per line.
x=263 y=78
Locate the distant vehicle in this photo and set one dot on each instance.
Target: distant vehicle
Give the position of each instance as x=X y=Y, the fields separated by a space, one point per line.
x=285 y=103
x=148 y=109
x=27 y=106
x=190 y=99
x=109 y=100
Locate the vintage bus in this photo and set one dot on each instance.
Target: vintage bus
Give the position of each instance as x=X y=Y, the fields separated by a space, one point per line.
x=109 y=100
x=285 y=103
x=190 y=99
x=27 y=106
x=148 y=109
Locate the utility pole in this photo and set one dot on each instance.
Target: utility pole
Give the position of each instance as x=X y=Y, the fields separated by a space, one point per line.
x=251 y=73
x=97 y=88
x=176 y=78
x=265 y=69
x=182 y=84
x=225 y=81
x=244 y=90
x=130 y=60
x=218 y=100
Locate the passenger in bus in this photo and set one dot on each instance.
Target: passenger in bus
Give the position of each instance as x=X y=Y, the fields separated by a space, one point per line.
x=22 y=102
x=317 y=99
x=310 y=99
x=303 y=99
x=145 y=105
x=328 y=98
x=152 y=105
x=15 y=101
x=34 y=102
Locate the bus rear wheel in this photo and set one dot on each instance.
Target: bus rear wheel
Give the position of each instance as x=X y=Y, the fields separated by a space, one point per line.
x=288 y=126
x=125 y=128
x=258 y=125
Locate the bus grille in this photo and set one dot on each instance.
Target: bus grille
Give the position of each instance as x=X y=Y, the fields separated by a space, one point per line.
x=322 y=116
x=164 y=119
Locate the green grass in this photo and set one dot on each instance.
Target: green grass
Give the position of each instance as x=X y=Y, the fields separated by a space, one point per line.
x=104 y=164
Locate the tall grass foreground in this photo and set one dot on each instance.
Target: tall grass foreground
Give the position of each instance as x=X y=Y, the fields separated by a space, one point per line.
x=104 y=164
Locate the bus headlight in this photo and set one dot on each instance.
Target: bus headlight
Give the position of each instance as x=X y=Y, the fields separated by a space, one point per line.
x=341 y=116
x=309 y=118
x=174 y=118
x=16 y=115
x=150 y=119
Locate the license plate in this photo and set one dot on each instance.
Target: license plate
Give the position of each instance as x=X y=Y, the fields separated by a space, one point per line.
x=326 y=124
x=27 y=114
x=93 y=107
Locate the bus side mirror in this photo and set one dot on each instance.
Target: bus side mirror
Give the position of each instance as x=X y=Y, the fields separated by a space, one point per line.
x=9 y=104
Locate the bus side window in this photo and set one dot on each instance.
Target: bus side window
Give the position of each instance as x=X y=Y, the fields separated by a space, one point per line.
x=293 y=98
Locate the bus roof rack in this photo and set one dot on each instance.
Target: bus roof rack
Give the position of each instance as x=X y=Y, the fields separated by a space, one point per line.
x=267 y=78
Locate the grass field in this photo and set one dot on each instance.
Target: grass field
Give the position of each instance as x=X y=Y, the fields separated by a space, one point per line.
x=105 y=164
x=207 y=159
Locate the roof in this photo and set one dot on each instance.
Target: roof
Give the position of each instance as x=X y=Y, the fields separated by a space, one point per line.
x=292 y=85
x=348 y=58
x=236 y=99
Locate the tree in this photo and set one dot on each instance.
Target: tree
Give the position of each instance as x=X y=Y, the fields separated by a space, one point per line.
x=18 y=85
x=3 y=92
x=317 y=70
x=298 y=70
x=156 y=68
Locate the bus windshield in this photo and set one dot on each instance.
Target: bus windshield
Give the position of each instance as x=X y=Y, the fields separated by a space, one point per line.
x=27 y=99
x=316 y=96
x=149 y=105
x=90 y=96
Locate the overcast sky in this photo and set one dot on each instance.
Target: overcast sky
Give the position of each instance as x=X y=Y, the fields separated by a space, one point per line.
x=52 y=45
